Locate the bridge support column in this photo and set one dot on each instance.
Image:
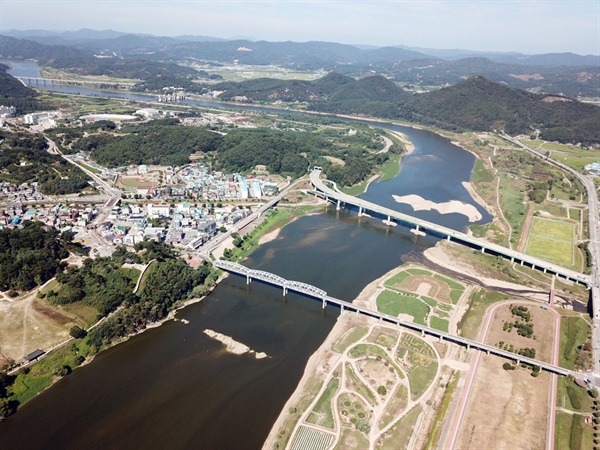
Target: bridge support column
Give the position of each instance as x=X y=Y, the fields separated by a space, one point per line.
x=422 y=333
x=360 y=210
x=248 y=279
x=482 y=249
x=544 y=270
x=521 y=263
x=285 y=291
x=341 y=309
x=488 y=352
x=468 y=346
x=338 y=205
x=441 y=338
x=512 y=259
x=448 y=238
x=324 y=303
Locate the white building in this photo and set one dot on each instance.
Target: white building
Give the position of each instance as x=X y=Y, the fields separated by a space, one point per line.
x=148 y=113
x=155 y=211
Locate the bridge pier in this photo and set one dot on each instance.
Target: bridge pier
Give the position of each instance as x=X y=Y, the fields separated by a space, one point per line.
x=285 y=291
x=248 y=279
x=338 y=205
x=324 y=303
x=482 y=249
x=521 y=263
x=448 y=238
x=360 y=210
x=341 y=309
x=422 y=333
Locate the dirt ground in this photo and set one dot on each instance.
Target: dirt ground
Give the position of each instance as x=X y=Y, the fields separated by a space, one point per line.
x=507 y=409
x=27 y=324
x=543 y=330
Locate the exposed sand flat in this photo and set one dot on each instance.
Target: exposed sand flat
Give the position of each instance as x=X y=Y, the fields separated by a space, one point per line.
x=453 y=206
x=233 y=346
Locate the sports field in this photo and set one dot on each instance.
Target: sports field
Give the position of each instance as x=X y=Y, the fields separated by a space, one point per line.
x=135 y=182
x=552 y=240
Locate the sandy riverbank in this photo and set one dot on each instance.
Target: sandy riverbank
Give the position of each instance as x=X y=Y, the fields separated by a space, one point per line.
x=418 y=203
x=233 y=346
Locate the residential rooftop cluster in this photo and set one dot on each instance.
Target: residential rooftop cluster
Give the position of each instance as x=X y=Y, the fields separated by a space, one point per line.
x=57 y=216
x=26 y=192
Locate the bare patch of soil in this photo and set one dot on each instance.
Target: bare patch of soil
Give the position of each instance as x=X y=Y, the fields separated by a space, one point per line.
x=507 y=409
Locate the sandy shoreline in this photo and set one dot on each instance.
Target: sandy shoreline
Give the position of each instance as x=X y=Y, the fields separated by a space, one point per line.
x=418 y=203
x=233 y=346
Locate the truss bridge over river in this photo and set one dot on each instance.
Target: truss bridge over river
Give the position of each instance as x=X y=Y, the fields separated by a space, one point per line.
x=319 y=294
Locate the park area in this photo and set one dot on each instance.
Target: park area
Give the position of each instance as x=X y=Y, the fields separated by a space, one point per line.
x=552 y=240
x=421 y=296
x=373 y=394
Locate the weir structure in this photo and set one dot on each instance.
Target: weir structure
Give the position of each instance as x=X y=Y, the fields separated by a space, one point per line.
x=421 y=226
x=320 y=294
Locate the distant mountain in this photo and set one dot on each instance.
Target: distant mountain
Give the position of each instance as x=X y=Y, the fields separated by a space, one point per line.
x=550 y=60
x=473 y=104
x=84 y=33
x=199 y=38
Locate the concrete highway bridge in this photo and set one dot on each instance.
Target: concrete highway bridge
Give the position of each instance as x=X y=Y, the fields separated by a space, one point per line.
x=420 y=226
x=320 y=294
x=30 y=81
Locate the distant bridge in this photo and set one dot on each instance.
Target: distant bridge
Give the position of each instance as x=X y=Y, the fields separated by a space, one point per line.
x=320 y=294
x=448 y=233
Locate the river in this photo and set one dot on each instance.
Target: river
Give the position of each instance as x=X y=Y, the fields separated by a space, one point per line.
x=173 y=387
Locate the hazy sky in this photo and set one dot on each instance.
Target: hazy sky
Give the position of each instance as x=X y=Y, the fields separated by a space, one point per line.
x=528 y=26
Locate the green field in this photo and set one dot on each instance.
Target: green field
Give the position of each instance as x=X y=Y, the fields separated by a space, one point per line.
x=399 y=435
x=349 y=338
x=438 y=324
x=394 y=304
x=322 y=413
x=574 y=333
x=552 y=240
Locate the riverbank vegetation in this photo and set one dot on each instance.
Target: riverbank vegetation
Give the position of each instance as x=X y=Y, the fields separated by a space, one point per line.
x=107 y=285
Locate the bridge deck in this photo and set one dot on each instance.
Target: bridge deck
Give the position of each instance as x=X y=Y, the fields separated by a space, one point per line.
x=347 y=306
x=315 y=179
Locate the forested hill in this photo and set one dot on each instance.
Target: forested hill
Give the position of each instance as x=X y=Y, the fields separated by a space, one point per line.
x=480 y=104
x=474 y=104
x=333 y=87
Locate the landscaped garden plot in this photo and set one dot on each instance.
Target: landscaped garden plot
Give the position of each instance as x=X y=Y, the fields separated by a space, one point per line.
x=354 y=412
x=311 y=439
x=385 y=337
x=552 y=240
x=362 y=350
x=322 y=413
x=420 y=362
x=378 y=372
x=396 y=405
x=353 y=383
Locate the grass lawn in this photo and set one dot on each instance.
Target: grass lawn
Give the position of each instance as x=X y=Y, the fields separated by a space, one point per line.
x=481 y=174
x=350 y=439
x=349 y=338
x=421 y=376
x=480 y=301
x=574 y=333
x=90 y=168
x=399 y=435
x=391 y=168
x=438 y=324
x=394 y=304
x=554 y=229
x=362 y=350
x=571 y=396
x=322 y=413
x=550 y=249
x=396 y=279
